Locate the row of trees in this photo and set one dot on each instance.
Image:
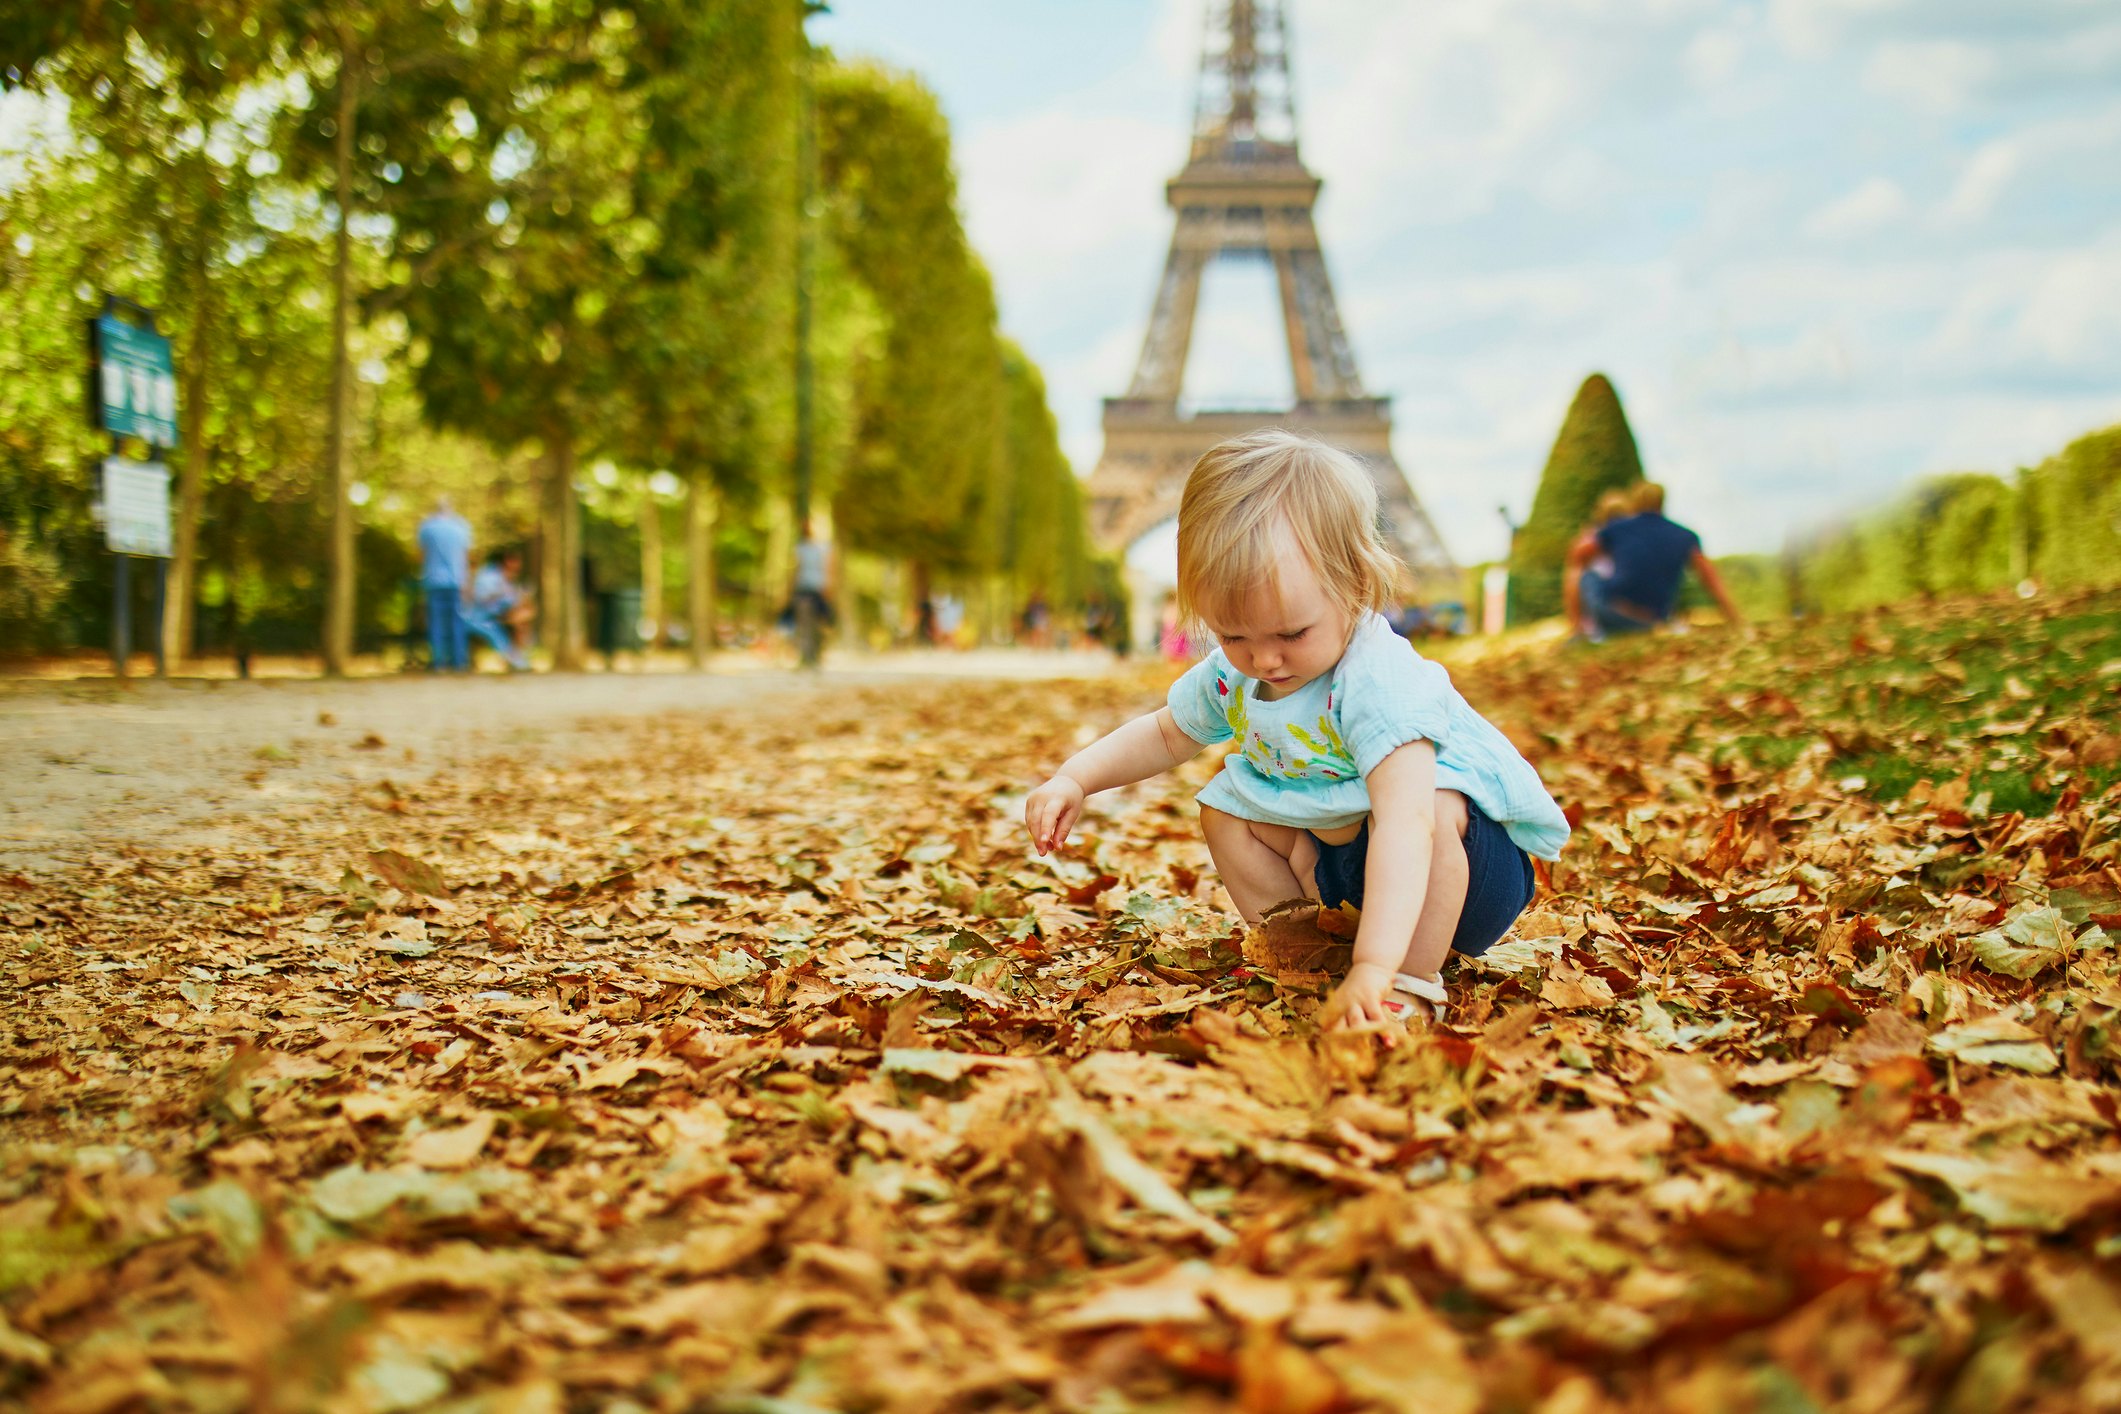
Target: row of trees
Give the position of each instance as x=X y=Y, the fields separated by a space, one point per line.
x=2057 y=524
x=528 y=252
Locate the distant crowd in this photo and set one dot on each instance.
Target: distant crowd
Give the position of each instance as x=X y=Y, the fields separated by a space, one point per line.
x=1623 y=575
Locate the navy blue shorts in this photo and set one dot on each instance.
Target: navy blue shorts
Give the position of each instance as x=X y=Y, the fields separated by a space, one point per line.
x=1499 y=880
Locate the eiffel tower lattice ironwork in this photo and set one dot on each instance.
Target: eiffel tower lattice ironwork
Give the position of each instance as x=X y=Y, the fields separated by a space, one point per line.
x=1245 y=193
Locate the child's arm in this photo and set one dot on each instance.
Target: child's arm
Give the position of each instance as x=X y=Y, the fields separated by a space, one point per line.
x=1147 y=746
x=1396 y=881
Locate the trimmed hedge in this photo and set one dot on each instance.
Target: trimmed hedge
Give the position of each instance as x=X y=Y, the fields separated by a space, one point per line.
x=1594 y=453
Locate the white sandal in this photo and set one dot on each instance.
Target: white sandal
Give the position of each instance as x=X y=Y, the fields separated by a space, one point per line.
x=1417 y=995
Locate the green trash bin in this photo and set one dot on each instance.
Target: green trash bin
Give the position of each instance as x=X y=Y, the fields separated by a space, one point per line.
x=618 y=621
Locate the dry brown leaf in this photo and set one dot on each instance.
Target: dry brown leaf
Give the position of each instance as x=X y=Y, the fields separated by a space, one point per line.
x=454 y=1148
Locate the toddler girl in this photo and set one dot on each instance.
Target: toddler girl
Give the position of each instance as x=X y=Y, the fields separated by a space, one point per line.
x=1360 y=775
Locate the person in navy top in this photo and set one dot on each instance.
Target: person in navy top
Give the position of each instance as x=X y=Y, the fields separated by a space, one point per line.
x=1648 y=556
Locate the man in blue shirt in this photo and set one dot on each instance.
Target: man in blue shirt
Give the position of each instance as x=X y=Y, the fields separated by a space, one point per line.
x=1649 y=556
x=445 y=573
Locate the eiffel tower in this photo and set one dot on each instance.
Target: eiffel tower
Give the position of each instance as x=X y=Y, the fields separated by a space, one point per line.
x=1245 y=194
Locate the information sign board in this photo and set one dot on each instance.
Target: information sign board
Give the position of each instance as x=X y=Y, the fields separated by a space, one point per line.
x=135 y=382
x=136 y=507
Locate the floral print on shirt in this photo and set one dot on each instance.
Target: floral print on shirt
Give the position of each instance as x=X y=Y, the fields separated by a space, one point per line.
x=1316 y=755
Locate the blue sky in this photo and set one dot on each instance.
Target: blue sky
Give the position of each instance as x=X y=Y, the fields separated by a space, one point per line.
x=1821 y=246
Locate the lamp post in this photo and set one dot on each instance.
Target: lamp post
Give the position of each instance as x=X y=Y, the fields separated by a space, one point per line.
x=807 y=628
x=805 y=261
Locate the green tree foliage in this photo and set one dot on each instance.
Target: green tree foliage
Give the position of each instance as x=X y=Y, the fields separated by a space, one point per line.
x=1042 y=537
x=49 y=228
x=248 y=321
x=523 y=214
x=1953 y=533
x=2073 y=513
x=1594 y=453
x=366 y=43
x=930 y=434
x=174 y=159
x=2057 y=524
x=563 y=232
x=706 y=327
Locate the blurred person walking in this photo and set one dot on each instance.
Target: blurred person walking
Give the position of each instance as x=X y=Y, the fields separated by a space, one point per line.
x=811 y=596
x=1038 y=621
x=1649 y=555
x=445 y=575
x=949 y=621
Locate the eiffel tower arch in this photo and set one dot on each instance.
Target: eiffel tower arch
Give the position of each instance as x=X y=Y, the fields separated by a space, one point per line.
x=1245 y=194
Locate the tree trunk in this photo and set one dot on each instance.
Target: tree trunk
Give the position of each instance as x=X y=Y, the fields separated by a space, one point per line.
x=339 y=603
x=776 y=573
x=651 y=568
x=560 y=570
x=702 y=505
x=182 y=595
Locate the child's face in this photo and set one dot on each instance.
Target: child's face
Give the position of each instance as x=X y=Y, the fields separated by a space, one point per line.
x=1286 y=638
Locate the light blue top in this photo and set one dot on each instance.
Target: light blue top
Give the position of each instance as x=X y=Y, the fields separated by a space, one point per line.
x=445 y=551
x=811 y=571
x=493 y=591
x=1302 y=759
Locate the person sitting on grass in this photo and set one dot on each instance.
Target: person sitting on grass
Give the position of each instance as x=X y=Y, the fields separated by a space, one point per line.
x=500 y=608
x=1360 y=775
x=1623 y=576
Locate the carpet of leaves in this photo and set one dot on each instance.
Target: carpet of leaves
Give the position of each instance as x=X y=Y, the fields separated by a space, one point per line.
x=757 y=1066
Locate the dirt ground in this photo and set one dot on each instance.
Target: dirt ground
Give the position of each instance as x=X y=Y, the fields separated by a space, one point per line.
x=96 y=762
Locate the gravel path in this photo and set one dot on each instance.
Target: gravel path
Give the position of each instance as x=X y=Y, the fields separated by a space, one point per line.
x=95 y=763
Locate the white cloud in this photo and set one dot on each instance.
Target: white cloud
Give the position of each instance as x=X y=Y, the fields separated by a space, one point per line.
x=1937 y=75
x=1981 y=181
x=1090 y=375
x=1814 y=358
x=1712 y=57
x=1879 y=201
x=1053 y=191
x=1812 y=28
x=1444 y=99
x=1573 y=179
x=2071 y=317
x=1175 y=38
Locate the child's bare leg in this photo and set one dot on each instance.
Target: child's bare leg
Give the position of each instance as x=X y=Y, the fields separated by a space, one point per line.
x=1446 y=896
x=1261 y=865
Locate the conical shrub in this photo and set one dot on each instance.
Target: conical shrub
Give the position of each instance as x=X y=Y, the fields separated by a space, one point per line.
x=1594 y=453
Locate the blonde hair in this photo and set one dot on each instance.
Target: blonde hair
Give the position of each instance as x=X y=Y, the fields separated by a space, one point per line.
x=1613 y=504
x=1249 y=499
x=1649 y=498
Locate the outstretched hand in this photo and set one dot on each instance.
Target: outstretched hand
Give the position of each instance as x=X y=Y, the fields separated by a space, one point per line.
x=1051 y=811
x=1360 y=998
